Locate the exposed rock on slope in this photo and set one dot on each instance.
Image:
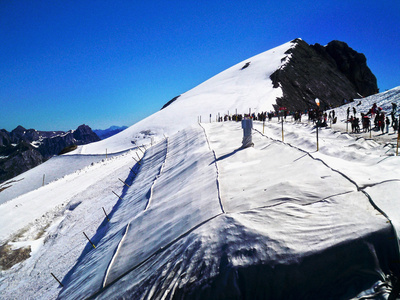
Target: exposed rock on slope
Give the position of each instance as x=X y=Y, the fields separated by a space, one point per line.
x=354 y=66
x=332 y=73
x=15 y=160
x=170 y=102
x=23 y=149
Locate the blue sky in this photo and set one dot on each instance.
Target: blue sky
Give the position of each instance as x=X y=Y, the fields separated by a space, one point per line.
x=65 y=62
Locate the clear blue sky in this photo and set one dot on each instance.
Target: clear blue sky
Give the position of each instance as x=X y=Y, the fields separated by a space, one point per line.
x=65 y=62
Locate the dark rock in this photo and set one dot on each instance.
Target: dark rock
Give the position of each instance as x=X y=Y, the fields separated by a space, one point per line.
x=18 y=133
x=354 y=66
x=84 y=135
x=170 y=102
x=19 y=159
x=52 y=146
x=5 y=139
x=23 y=149
x=312 y=72
x=68 y=149
x=246 y=65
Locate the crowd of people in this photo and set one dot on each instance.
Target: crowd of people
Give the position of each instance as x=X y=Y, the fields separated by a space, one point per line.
x=381 y=121
x=375 y=116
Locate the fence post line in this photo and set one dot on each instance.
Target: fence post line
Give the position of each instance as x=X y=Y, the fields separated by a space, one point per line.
x=89 y=240
x=44 y=175
x=317 y=138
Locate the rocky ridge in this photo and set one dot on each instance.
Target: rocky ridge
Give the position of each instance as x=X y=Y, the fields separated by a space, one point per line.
x=334 y=73
x=23 y=149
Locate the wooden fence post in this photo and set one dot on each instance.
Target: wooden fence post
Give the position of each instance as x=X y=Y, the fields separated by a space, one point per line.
x=89 y=240
x=133 y=171
x=117 y=195
x=124 y=182
x=57 y=279
x=106 y=214
x=136 y=160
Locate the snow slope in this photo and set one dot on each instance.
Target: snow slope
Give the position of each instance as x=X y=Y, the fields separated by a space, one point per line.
x=383 y=100
x=198 y=217
x=199 y=221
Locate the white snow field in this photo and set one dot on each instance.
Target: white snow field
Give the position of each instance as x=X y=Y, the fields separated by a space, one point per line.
x=200 y=218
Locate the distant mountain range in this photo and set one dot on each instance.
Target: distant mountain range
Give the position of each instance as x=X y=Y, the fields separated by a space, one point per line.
x=105 y=133
x=22 y=149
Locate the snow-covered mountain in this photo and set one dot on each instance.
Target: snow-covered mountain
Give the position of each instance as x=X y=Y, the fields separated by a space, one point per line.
x=192 y=215
x=234 y=89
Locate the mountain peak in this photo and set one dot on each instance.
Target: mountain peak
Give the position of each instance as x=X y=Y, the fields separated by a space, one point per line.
x=19 y=128
x=330 y=73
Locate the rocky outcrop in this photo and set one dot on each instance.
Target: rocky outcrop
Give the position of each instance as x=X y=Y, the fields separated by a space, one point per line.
x=55 y=144
x=23 y=149
x=5 y=139
x=354 y=66
x=170 y=102
x=15 y=160
x=332 y=74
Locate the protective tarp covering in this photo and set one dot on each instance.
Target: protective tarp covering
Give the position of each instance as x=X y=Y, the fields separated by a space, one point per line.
x=216 y=222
